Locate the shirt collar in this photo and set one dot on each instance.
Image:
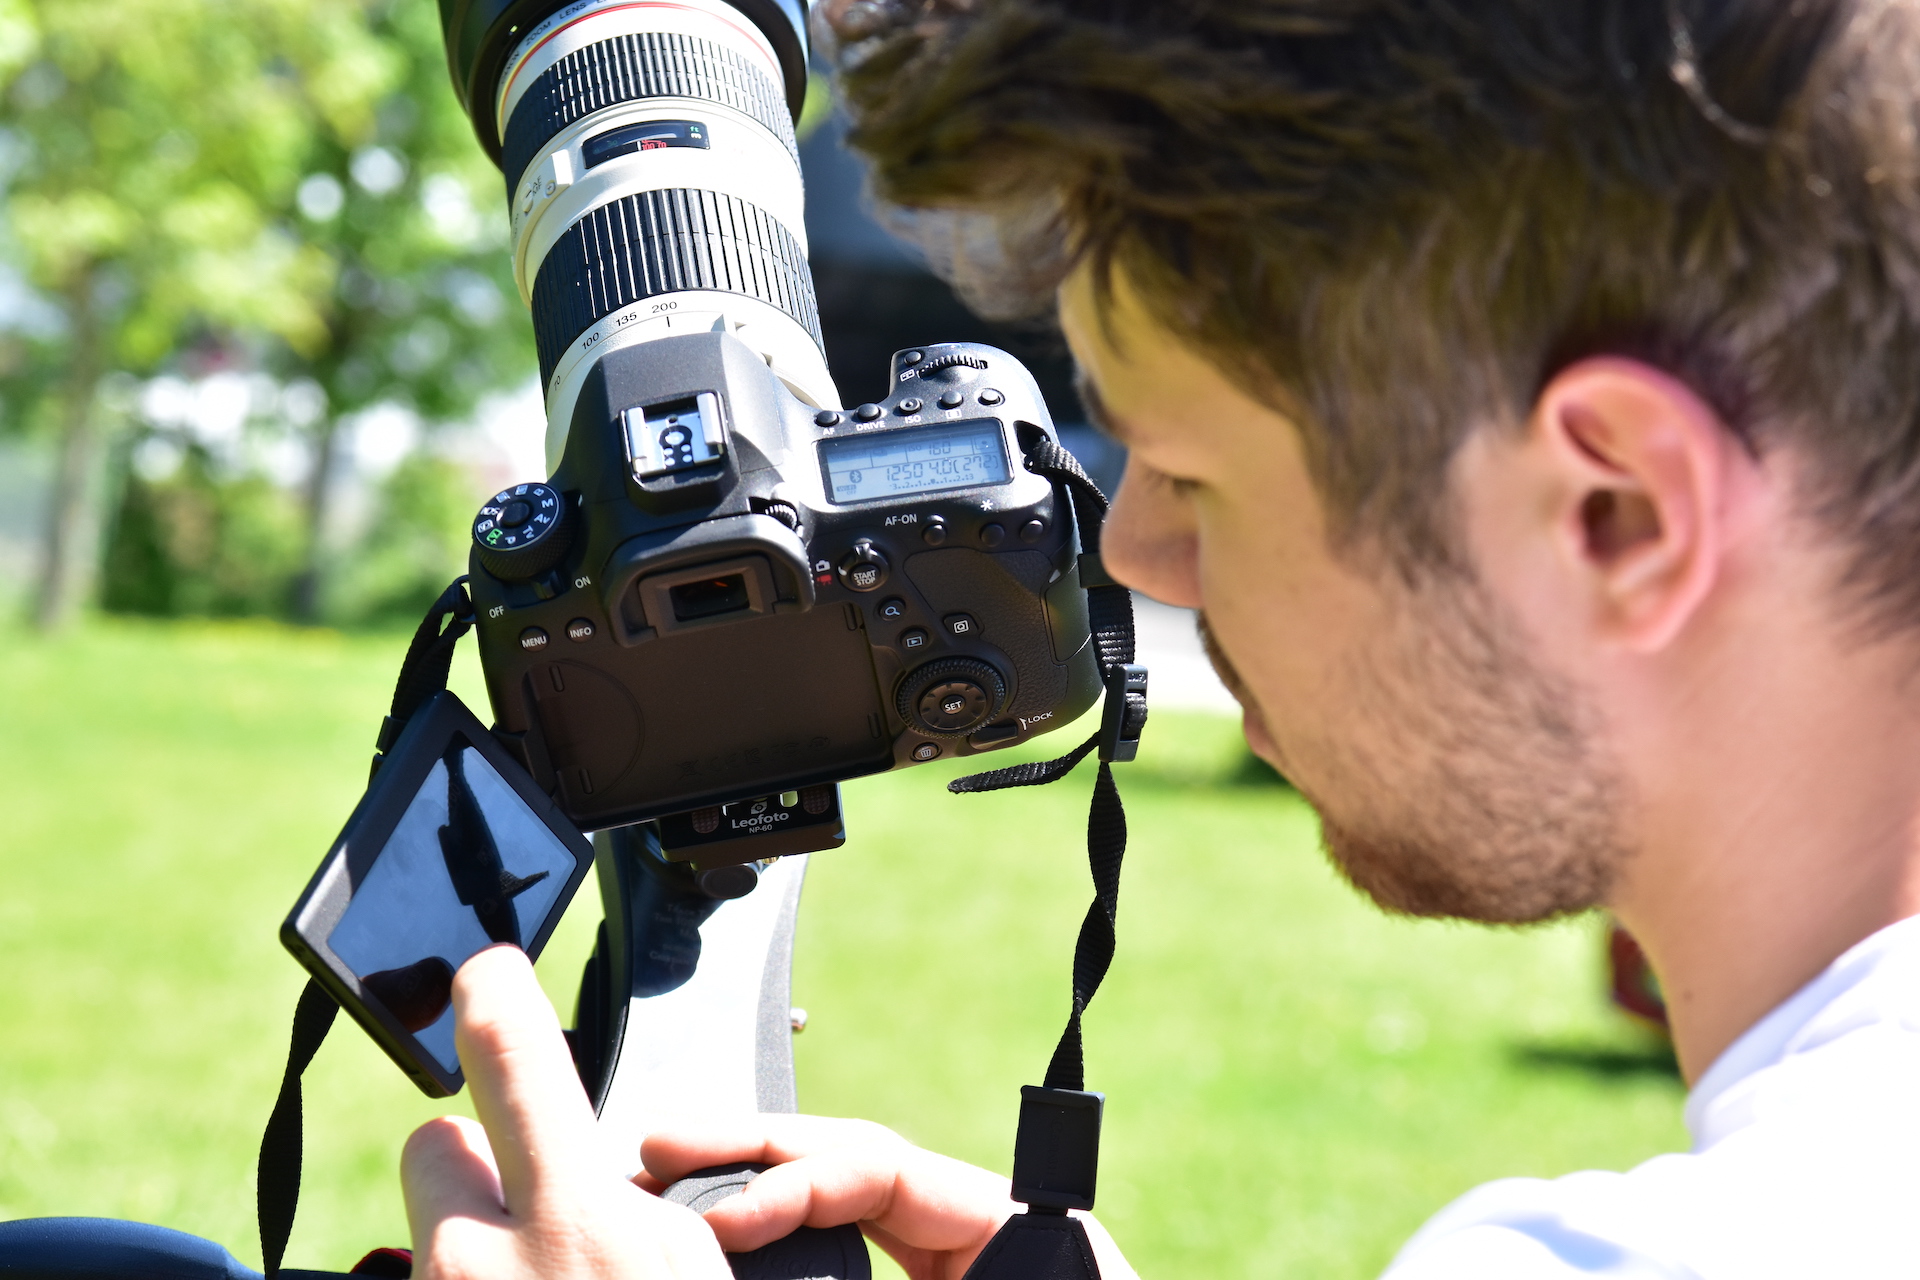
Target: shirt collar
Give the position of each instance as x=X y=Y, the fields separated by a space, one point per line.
x=1855 y=990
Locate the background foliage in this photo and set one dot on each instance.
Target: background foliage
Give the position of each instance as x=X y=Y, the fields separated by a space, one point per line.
x=281 y=187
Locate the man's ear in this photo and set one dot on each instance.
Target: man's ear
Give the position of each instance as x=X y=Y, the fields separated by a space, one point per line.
x=1642 y=465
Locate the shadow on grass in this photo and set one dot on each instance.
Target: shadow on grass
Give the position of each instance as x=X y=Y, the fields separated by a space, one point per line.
x=1602 y=1062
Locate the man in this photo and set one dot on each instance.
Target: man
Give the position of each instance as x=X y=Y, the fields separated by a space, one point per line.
x=1529 y=395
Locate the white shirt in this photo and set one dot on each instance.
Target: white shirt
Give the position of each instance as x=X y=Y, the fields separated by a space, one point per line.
x=1805 y=1160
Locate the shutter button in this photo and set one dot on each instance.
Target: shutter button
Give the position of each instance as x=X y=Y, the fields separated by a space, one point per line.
x=865 y=568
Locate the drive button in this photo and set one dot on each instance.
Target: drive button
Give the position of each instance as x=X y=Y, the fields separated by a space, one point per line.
x=865 y=568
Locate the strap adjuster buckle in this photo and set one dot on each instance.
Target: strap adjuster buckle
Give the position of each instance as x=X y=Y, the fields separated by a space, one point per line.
x=1125 y=712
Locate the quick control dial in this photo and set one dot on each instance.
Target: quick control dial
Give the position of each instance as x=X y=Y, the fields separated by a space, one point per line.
x=522 y=532
x=951 y=697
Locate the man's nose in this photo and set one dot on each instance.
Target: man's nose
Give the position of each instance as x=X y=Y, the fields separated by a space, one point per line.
x=1150 y=542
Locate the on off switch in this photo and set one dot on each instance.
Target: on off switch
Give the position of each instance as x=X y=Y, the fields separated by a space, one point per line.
x=865 y=568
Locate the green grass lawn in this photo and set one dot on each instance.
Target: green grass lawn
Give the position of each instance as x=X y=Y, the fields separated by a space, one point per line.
x=1294 y=1081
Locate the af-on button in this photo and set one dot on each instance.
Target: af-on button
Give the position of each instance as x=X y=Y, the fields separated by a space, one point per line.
x=865 y=567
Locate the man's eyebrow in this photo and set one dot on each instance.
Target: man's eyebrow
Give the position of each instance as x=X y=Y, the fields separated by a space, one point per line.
x=1097 y=412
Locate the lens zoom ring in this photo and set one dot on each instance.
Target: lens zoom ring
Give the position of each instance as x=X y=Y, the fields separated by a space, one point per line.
x=630 y=68
x=656 y=242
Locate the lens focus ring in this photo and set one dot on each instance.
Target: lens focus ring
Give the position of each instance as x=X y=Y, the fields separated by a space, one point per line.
x=656 y=242
x=633 y=68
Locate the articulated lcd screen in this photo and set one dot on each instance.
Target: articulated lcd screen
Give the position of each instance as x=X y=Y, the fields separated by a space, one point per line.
x=469 y=865
x=888 y=464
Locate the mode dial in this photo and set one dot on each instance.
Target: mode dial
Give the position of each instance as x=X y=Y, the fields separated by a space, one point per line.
x=951 y=697
x=522 y=532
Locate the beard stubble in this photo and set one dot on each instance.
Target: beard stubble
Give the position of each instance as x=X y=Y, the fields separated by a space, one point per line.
x=1464 y=780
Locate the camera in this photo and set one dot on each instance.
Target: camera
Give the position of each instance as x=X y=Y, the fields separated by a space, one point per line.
x=731 y=593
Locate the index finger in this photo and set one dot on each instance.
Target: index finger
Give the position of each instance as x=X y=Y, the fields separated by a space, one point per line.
x=525 y=1088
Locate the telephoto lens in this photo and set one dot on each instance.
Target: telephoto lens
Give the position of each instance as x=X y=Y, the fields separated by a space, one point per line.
x=653 y=177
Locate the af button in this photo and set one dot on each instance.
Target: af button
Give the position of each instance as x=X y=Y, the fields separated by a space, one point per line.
x=865 y=568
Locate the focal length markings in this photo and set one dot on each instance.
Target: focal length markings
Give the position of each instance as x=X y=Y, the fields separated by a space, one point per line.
x=954 y=455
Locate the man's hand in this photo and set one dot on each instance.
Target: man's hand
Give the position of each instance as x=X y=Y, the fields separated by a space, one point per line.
x=932 y=1214
x=529 y=1191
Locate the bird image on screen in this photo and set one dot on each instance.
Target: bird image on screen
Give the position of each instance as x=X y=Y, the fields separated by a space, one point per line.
x=480 y=879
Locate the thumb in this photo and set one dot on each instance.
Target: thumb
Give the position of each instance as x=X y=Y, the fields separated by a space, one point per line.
x=447 y=1171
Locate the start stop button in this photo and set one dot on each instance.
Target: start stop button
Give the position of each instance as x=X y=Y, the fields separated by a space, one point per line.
x=864 y=568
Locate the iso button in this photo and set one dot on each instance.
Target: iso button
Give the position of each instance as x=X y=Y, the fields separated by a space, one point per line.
x=865 y=568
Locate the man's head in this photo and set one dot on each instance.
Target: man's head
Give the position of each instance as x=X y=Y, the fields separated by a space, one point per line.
x=1472 y=356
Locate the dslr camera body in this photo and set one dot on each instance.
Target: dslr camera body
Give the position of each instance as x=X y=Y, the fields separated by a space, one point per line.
x=725 y=593
x=732 y=593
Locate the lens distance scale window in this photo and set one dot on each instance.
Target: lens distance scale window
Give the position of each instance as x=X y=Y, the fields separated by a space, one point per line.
x=654 y=135
x=949 y=455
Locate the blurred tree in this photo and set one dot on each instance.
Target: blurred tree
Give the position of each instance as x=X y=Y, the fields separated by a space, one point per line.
x=148 y=141
x=199 y=541
x=422 y=312
x=293 y=173
x=419 y=541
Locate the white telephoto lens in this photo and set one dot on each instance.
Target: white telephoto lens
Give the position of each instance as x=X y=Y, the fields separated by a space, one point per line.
x=654 y=188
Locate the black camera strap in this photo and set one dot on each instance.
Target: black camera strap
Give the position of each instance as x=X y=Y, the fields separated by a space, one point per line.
x=1056 y=1154
x=423 y=673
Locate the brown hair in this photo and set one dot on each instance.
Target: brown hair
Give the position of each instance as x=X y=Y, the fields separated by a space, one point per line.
x=1397 y=218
